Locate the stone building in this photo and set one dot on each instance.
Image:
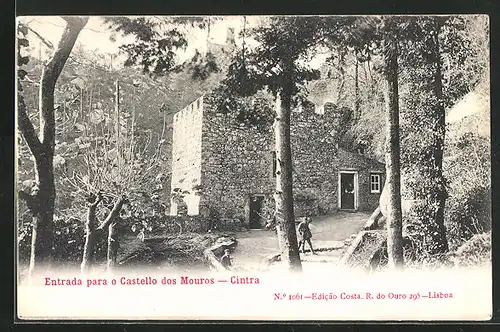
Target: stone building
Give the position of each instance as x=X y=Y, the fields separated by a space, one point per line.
x=221 y=167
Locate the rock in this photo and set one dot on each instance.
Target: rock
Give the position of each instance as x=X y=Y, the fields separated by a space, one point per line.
x=362 y=250
x=214 y=262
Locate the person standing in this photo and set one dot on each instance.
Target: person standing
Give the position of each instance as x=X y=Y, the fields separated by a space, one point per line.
x=305 y=234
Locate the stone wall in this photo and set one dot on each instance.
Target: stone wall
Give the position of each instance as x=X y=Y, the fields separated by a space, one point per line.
x=236 y=162
x=314 y=154
x=186 y=156
x=317 y=161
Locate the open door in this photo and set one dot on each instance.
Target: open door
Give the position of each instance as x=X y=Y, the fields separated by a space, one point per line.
x=348 y=190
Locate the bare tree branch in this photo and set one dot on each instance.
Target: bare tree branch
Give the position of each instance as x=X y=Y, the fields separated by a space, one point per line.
x=113 y=214
x=45 y=41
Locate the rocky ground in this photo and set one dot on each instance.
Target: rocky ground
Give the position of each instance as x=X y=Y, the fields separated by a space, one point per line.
x=331 y=235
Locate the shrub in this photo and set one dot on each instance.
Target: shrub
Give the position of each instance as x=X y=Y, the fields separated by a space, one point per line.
x=468 y=213
x=68 y=242
x=474 y=252
x=415 y=251
x=69 y=233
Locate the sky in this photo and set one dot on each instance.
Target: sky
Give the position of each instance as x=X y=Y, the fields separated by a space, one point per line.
x=95 y=36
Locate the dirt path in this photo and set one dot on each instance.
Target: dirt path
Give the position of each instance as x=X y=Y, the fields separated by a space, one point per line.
x=328 y=231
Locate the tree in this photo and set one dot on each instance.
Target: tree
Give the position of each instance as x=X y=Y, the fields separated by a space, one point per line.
x=441 y=59
x=392 y=187
x=112 y=158
x=427 y=109
x=368 y=36
x=157 y=41
x=131 y=176
x=93 y=228
x=436 y=39
x=279 y=65
x=89 y=172
x=42 y=198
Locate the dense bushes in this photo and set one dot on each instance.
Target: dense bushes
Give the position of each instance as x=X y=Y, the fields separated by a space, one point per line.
x=474 y=252
x=468 y=168
x=174 y=250
x=468 y=214
x=69 y=234
x=68 y=242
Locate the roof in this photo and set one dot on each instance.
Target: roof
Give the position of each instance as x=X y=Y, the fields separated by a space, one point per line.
x=357 y=157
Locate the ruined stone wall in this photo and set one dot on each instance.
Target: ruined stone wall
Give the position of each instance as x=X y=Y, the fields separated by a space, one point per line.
x=232 y=162
x=186 y=155
x=237 y=162
x=318 y=160
x=315 y=161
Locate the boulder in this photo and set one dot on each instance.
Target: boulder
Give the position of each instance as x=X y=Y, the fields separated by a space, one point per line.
x=364 y=248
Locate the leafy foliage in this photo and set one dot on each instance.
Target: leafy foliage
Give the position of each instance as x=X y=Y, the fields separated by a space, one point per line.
x=22 y=42
x=475 y=252
x=154 y=49
x=86 y=156
x=157 y=41
x=202 y=68
x=285 y=45
x=422 y=135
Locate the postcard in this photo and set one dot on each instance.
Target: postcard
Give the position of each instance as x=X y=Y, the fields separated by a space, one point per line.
x=253 y=168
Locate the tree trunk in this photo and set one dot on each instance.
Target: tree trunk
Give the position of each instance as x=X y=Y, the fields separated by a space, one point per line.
x=341 y=65
x=357 y=113
x=427 y=107
x=90 y=236
x=285 y=218
x=93 y=230
x=117 y=128
x=41 y=238
x=43 y=146
x=110 y=224
x=82 y=115
x=438 y=193
x=89 y=250
x=392 y=158
x=132 y=126
x=112 y=247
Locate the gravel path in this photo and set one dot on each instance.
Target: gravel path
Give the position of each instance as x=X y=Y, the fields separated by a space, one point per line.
x=328 y=231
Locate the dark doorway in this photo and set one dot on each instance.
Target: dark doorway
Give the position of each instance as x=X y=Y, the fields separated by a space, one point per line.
x=256 y=206
x=347 y=191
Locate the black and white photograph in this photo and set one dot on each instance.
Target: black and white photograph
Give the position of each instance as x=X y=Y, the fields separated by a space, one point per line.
x=324 y=167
